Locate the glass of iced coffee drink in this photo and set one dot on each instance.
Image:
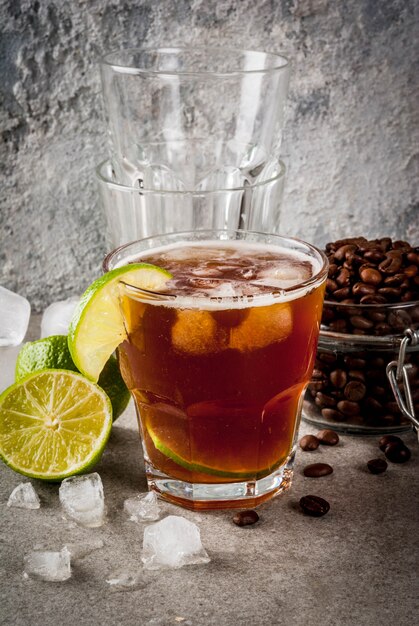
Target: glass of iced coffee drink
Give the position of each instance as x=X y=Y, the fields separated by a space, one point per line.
x=218 y=361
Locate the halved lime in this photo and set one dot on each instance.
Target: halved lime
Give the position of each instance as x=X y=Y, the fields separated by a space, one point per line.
x=97 y=327
x=53 y=353
x=53 y=424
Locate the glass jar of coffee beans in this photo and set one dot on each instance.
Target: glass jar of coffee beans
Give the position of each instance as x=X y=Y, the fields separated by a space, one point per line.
x=372 y=297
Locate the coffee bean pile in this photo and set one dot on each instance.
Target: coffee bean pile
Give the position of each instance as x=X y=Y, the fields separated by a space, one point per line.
x=394 y=449
x=352 y=387
x=364 y=272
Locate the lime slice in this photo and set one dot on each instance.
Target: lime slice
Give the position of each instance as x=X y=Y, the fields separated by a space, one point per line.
x=176 y=456
x=97 y=327
x=53 y=353
x=53 y=424
x=192 y=467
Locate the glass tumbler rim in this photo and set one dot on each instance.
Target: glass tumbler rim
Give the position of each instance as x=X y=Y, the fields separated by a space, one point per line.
x=110 y=60
x=112 y=184
x=281 y=294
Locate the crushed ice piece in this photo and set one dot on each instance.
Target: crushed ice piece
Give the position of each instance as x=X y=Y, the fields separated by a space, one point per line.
x=57 y=317
x=15 y=312
x=82 y=499
x=143 y=507
x=126 y=581
x=224 y=290
x=49 y=566
x=24 y=496
x=284 y=276
x=172 y=542
x=262 y=326
x=80 y=549
x=195 y=332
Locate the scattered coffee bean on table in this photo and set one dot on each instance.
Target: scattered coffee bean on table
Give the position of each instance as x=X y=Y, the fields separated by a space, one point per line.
x=328 y=437
x=377 y=466
x=246 y=518
x=384 y=441
x=309 y=443
x=316 y=470
x=397 y=453
x=314 y=506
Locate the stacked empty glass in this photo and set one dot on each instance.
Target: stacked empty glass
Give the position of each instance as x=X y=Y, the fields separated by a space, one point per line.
x=194 y=140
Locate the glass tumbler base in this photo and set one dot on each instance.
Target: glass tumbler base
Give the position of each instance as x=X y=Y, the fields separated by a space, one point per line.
x=237 y=495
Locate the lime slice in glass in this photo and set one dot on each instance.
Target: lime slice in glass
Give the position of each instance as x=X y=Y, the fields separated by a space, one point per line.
x=97 y=327
x=53 y=424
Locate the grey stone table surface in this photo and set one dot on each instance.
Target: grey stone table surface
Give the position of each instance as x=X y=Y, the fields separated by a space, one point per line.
x=355 y=566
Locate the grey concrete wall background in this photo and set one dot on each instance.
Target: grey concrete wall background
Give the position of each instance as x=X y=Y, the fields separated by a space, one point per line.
x=351 y=139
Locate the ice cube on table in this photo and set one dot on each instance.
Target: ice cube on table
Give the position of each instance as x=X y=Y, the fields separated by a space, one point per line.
x=125 y=580
x=83 y=500
x=24 y=496
x=48 y=566
x=15 y=312
x=143 y=507
x=172 y=543
x=56 y=318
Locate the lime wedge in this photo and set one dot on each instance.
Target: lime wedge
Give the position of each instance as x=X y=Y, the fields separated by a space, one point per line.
x=53 y=424
x=97 y=327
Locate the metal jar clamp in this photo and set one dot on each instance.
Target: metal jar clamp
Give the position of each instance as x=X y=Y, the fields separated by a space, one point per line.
x=397 y=372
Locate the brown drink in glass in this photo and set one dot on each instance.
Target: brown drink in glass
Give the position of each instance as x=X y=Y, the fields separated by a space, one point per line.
x=218 y=363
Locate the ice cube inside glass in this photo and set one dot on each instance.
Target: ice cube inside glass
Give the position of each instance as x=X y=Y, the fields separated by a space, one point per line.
x=219 y=360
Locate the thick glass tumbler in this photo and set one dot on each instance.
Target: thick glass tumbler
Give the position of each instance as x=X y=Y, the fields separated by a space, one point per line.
x=218 y=362
x=193 y=118
x=133 y=212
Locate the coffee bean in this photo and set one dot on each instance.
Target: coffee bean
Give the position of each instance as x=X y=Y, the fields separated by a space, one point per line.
x=385 y=440
x=370 y=275
x=411 y=271
x=363 y=289
x=348 y=408
x=309 y=443
x=333 y=416
x=342 y=293
x=355 y=391
x=360 y=322
x=373 y=299
x=357 y=375
x=343 y=278
x=397 y=453
x=314 y=506
x=323 y=400
x=316 y=470
x=338 y=326
x=392 y=262
x=338 y=378
x=377 y=466
x=328 y=437
x=331 y=285
x=333 y=269
x=246 y=518
x=341 y=252
x=391 y=293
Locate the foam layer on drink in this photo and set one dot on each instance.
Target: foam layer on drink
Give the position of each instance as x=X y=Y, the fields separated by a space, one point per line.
x=230 y=274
